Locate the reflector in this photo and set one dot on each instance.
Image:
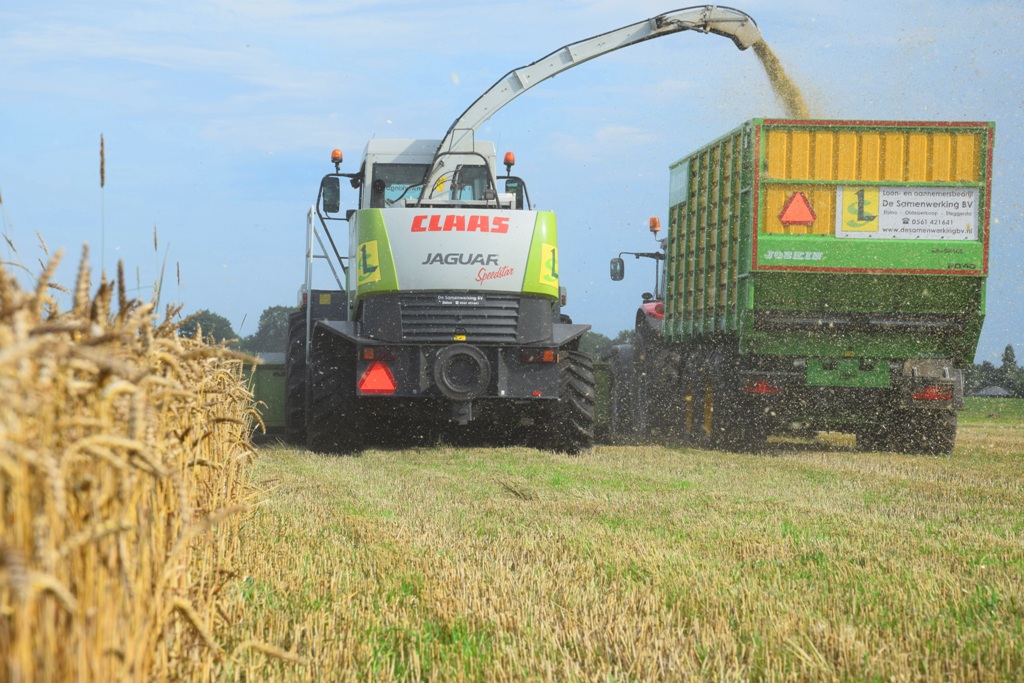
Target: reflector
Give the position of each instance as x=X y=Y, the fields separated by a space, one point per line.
x=377 y=380
x=761 y=387
x=797 y=211
x=934 y=393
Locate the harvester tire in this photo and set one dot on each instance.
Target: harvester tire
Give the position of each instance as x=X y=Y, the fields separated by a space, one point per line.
x=569 y=425
x=295 y=380
x=333 y=414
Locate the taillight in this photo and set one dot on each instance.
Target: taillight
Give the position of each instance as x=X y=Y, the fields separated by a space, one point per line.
x=761 y=387
x=538 y=355
x=377 y=353
x=933 y=392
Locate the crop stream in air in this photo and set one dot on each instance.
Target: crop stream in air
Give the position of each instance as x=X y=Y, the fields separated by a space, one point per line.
x=782 y=84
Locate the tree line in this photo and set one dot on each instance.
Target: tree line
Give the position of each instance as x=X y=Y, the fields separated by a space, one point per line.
x=271 y=336
x=271 y=333
x=1008 y=375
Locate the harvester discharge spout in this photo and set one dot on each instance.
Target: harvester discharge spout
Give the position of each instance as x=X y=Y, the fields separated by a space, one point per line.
x=723 y=21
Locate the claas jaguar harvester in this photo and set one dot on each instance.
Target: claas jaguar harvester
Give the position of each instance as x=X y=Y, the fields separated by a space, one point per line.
x=446 y=322
x=818 y=275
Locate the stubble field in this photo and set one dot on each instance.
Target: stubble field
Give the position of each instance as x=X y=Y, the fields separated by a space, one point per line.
x=813 y=562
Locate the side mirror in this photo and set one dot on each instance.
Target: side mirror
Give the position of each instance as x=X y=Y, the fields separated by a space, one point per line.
x=330 y=194
x=618 y=269
x=514 y=186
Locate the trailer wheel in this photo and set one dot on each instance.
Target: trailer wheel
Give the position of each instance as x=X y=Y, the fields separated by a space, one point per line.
x=569 y=425
x=724 y=417
x=931 y=433
x=709 y=411
x=333 y=416
x=692 y=401
x=921 y=432
x=295 y=380
x=877 y=439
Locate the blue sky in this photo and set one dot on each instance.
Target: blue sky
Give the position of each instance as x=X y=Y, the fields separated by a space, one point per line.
x=219 y=117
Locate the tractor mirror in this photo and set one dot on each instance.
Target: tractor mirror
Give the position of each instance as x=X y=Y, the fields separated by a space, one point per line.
x=514 y=186
x=330 y=194
x=618 y=269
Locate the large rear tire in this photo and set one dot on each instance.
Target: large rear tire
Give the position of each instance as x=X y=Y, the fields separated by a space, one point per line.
x=687 y=420
x=931 y=432
x=569 y=425
x=912 y=431
x=621 y=407
x=295 y=380
x=726 y=419
x=708 y=417
x=334 y=421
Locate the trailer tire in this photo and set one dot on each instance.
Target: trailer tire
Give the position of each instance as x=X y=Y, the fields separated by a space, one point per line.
x=295 y=380
x=877 y=439
x=931 y=433
x=688 y=420
x=333 y=416
x=707 y=389
x=725 y=418
x=569 y=425
x=909 y=431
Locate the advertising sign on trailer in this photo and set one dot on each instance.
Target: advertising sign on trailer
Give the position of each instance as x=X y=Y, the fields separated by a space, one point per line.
x=914 y=213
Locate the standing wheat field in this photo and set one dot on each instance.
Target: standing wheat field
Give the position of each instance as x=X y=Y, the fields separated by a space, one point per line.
x=812 y=563
x=123 y=450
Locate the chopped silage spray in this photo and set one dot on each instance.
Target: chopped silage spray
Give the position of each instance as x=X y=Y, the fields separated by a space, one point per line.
x=782 y=84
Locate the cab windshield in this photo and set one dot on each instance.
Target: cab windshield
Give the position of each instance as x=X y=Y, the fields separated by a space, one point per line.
x=392 y=182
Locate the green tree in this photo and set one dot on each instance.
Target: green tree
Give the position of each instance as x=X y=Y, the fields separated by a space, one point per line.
x=272 y=332
x=595 y=344
x=212 y=325
x=1011 y=377
x=624 y=337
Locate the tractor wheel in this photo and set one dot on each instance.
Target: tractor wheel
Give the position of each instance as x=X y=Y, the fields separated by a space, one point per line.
x=295 y=380
x=569 y=425
x=621 y=406
x=333 y=416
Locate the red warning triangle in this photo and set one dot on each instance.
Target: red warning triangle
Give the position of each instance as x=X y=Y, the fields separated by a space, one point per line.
x=797 y=211
x=377 y=380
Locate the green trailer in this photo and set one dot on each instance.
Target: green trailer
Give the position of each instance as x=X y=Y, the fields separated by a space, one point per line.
x=819 y=275
x=267 y=382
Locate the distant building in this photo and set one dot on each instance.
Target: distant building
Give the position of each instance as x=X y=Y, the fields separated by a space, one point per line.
x=992 y=392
